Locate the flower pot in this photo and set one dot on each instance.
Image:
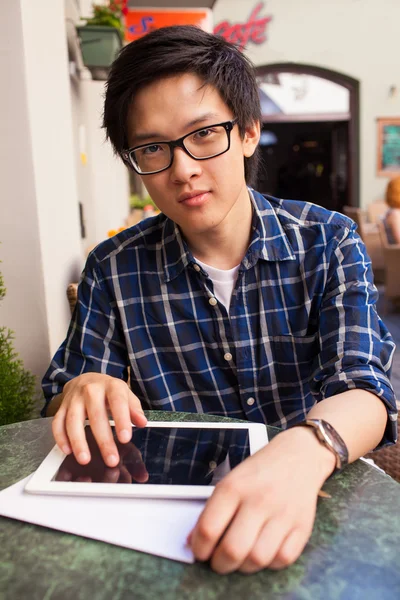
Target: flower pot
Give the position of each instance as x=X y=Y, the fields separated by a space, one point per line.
x=99 y=45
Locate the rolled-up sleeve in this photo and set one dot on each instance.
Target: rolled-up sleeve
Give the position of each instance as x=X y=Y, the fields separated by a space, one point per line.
x=356 y=348
x=94 y=341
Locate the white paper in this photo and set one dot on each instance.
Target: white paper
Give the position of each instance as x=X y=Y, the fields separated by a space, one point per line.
x=158 y=527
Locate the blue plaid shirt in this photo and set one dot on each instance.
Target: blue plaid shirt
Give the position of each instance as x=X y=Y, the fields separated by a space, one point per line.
x=302 y=323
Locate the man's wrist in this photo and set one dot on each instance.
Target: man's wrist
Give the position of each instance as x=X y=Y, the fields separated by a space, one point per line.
x=316 y=454
x=329 y=437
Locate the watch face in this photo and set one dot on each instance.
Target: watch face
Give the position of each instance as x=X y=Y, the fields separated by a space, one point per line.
x=331 y=438
x=331 y=430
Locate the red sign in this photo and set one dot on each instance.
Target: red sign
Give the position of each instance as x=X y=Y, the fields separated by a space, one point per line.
x=140 y=21
x=254 y=30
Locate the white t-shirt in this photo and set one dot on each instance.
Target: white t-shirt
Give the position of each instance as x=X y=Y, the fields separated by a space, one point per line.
x=223 y=281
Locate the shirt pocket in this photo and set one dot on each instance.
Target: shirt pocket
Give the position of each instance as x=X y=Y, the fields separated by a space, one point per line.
x=291 y=359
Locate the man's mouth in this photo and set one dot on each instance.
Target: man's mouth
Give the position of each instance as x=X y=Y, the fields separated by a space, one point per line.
x=195 y=198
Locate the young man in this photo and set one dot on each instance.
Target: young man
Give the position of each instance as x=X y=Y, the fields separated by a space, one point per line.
x=228 y=303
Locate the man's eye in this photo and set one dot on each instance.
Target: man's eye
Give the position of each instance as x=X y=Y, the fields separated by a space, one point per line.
x=204 y=133
x=151 y=149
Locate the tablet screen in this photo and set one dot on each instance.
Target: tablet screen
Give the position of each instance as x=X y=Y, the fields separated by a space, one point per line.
x=163 y=456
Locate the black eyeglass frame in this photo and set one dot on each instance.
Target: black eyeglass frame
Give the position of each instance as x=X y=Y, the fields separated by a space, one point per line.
x=179 y=143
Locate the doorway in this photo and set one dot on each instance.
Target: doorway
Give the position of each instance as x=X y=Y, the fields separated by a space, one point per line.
x=309 y=140
x=305 y=161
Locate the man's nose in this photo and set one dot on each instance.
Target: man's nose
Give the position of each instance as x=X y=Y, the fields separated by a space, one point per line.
x=184 y=167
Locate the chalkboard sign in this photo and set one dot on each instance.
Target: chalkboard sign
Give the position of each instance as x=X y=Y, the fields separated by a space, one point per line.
x=388 y=147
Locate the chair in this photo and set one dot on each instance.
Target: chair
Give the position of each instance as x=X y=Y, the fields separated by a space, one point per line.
x=369 y=233
x=358 y=216
x=391 y=253
x=388 y=458
x=72 y=295
x=376 y=210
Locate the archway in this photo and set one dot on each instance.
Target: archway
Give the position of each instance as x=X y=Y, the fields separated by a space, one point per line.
x=310 y=137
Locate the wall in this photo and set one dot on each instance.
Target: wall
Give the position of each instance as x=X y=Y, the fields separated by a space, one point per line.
x=106 y=198
x=356 y=37
x=39 y=226
x=103 y=181
x=42 y=178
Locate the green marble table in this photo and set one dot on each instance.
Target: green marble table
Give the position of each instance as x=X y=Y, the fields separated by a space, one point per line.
x=353 y=554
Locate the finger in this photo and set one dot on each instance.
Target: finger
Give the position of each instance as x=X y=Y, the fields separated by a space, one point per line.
x=84 y=479
x=215 y=518
x=100 y=426
x=111 y=475
x=266 y=546
x=64 y=475
x=238 y=540
x=140 y=474
x=60 y=432
x=137 y=468
x=74 y=424
x=118 y=401
x=125 y=476
x=125 y=451
x=290 y=550
x=136 y=411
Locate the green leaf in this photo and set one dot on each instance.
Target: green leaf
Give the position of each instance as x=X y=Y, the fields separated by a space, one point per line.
x=17 y=385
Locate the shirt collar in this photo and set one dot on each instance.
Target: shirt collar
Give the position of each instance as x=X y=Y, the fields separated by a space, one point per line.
x=176 y=255
x=268 y=241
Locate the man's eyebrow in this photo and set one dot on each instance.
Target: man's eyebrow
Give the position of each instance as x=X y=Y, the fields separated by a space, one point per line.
x=143 y=137
x=203 y=118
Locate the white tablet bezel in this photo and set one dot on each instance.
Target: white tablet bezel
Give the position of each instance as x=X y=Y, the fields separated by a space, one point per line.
x=41 y=481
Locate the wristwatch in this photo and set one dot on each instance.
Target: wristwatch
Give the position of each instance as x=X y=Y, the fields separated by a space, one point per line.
x=329 y=437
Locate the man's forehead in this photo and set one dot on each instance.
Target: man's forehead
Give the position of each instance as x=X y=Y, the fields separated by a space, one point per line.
x=170 y=107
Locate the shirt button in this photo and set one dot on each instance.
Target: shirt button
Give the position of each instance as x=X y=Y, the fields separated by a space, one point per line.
x=250 y=401
x=212 y=464
x=196 y=267
x=228 y=356
x=213 y=301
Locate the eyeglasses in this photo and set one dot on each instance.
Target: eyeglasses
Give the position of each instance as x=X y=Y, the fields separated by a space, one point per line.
x=200 y=144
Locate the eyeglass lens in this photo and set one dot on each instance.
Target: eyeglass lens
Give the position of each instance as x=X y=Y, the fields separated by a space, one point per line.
x=202 y=144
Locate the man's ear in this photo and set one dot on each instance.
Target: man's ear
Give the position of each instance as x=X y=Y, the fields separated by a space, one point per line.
x=251 y=139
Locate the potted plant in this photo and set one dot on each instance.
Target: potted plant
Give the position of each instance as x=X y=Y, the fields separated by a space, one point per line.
x=102 y=36
x=139 y=209
x=17 y=386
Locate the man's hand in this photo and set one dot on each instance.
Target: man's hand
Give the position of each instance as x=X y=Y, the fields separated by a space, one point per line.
x=262 y=513
x=92 y=396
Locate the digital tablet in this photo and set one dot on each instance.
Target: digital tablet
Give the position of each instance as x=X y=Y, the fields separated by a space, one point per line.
x=162 y=460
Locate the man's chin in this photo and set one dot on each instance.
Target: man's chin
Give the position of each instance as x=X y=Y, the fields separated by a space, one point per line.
x=202 y=227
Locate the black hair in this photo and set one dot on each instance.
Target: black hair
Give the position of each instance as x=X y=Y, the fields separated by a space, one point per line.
x=182 y=49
